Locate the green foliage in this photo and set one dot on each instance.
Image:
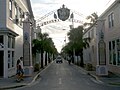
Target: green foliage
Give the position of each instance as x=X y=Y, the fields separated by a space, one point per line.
x=89 y=67
x=43 y=43
x=37 y=67
x=77 y=43
x=92 y=19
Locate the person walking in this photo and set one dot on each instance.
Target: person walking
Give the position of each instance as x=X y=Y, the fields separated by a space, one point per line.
x=69 y=59
x=18 y=73
x=22 y=68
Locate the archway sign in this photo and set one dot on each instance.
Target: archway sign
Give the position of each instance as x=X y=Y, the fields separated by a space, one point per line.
x=63 y=13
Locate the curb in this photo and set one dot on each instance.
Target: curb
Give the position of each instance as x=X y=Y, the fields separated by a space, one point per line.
x=92 y=75
x=21 y=85
x=96 y=78
x=11 y=87
x=38 y=75
x=114 y=83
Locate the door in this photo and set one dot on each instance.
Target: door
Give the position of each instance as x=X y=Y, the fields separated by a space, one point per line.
x=1 y=63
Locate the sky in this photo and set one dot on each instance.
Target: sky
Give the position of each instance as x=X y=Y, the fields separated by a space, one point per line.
x=81 y=9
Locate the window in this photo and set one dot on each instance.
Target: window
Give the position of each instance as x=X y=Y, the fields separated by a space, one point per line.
x=10 y=8
x=114 y=52
x=11 y=52
x=21 y=15
x=1 y=41
x=13 y=42
x=8 y=59
x=18 y=15
x=111 y=20
x=9 y=42
x=16 y=11
x=118 y=51
x=110 y=54
x=12 y=58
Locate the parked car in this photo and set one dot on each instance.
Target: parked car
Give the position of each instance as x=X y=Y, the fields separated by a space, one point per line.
x=59 y=59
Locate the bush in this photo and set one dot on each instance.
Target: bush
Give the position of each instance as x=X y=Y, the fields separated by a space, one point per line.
x=89 y=67
x=37 y=67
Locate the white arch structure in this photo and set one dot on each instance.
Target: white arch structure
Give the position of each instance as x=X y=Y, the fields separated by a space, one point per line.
x=42 y=23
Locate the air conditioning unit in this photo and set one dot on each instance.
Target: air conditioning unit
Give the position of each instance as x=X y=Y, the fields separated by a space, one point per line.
x=101 y=70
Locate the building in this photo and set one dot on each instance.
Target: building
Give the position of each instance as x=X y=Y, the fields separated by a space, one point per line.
x=112 y=36
x=12 y=15
x=90 y=53
x=108 y=24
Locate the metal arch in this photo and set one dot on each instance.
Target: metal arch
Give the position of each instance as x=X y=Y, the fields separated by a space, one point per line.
x=48 y=14
x=57 y=20
x=77 y=13
x=48 y=22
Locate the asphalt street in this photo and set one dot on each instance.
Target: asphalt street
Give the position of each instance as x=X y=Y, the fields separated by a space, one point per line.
x=66 y=77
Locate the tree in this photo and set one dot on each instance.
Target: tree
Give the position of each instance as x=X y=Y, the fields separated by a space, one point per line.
x=43 y=43
x=77 y=42
x=93 y=18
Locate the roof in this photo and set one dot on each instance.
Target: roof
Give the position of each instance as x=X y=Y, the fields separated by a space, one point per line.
x=109 y=8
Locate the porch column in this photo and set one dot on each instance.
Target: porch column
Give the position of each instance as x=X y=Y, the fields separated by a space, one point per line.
x=5 y=58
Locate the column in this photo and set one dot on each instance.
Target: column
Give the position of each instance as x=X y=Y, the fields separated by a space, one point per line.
x=27 y=54
x=5 y=56
x=101 y=68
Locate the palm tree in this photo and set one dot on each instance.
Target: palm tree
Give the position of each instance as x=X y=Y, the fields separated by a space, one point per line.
x=43 y=43
x=93 y=18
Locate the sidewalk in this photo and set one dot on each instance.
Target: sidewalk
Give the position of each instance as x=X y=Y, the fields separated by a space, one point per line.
x=9 y=83
x=111 y=79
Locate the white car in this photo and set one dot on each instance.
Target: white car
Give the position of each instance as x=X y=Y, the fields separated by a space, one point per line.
x=59 y=60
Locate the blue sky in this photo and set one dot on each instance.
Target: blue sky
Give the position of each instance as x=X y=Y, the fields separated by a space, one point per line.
x=55 y=30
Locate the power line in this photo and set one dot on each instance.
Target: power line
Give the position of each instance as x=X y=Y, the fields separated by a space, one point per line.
x=107 y=2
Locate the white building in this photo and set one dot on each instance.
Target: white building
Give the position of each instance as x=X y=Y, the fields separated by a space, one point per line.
x=112 y=36
x=90 y=54
x=109 y=23
x=12 y=13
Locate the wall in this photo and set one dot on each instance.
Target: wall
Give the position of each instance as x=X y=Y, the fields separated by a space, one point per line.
x=3 y=13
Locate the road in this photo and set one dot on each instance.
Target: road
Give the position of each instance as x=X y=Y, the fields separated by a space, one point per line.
x=66 y=77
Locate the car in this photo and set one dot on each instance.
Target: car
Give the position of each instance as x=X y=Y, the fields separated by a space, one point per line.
x=59 y=59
